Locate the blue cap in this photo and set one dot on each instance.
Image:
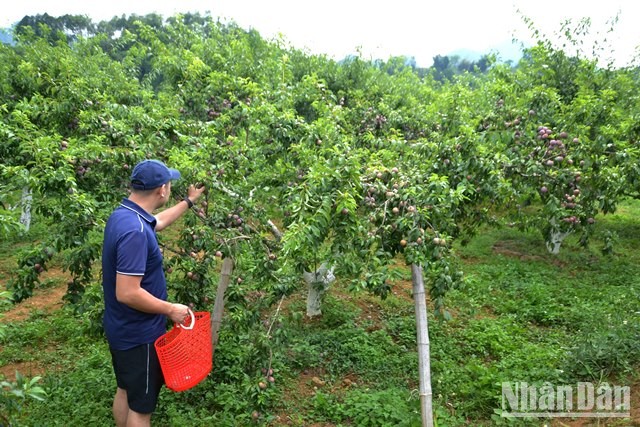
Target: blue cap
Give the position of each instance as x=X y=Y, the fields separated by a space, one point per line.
x=150 y=174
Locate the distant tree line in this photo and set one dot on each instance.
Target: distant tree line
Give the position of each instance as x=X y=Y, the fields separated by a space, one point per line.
x=67 y=28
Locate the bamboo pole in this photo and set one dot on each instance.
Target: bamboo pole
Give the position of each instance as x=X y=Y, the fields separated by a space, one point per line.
x=218 y=306
x=424 y=361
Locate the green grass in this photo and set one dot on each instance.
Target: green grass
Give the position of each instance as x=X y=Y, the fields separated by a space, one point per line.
x=522 y=315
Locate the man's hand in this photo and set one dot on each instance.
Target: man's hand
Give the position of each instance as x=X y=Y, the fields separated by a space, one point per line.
x=194 y=192
x=179 y=313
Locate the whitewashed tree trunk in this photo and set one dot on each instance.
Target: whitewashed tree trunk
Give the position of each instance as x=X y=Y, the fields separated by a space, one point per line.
x=424 y=358
x=317 y=282
x=274 y=229
x=555 y=241
x=555 y=238
x=25 y=205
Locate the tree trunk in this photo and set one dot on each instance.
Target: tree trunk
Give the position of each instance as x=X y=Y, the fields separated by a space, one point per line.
x=424 y=359
x=317 y=282
x=554 y=238
x=554 y=241
x=25 y=204
x=218 y=306
x=274 y=229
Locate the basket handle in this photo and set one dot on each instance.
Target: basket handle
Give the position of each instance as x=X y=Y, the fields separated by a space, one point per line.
x=193 y=321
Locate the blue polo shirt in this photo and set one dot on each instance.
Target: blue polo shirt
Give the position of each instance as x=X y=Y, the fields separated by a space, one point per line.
x=131 y=247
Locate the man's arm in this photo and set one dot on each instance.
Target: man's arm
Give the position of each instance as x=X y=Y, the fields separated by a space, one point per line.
x=129 y=292
x=168 y=216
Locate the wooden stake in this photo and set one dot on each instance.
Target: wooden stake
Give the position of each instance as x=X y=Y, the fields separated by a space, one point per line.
x=218 y=306
x=424 y=358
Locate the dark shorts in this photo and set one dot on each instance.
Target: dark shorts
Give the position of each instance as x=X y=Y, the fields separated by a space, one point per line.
x=138 y=372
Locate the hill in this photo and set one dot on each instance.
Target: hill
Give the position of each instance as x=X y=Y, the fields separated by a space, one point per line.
x=5 y=36
x=506 y=51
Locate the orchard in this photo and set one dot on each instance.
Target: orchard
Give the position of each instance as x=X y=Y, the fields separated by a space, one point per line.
x=316 y=171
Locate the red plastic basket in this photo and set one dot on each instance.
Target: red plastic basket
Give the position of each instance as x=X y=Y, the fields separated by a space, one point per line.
x=186 y=353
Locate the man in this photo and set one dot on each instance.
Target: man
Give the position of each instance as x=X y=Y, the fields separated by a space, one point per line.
x=135 y=289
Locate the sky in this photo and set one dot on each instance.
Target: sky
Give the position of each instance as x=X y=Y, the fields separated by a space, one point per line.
x=379 y=29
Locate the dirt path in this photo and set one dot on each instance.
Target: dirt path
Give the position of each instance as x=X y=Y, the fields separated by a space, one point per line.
x=44 y=300
x=47 y=300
